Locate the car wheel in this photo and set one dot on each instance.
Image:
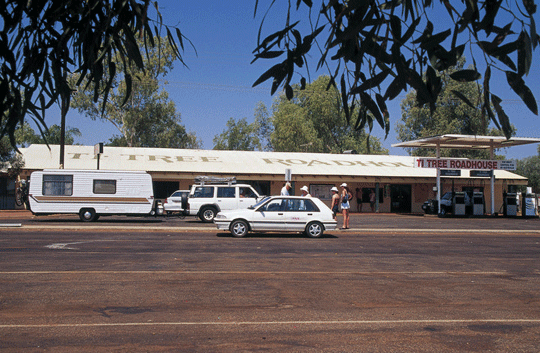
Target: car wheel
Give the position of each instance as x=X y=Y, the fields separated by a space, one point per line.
x=208 y=214
x=314 y=230
x=88 y=215
x=239 y=229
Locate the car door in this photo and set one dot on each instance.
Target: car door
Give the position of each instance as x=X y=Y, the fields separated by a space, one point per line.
x=247 y=197
x=226 y=198
x=298 y=213
x=199 y=197
x=269 y=216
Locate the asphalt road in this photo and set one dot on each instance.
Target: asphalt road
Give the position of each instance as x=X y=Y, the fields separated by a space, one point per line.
x=392 y=284
x=359 y=222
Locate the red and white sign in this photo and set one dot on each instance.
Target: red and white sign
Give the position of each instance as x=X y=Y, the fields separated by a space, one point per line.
x=464 y=164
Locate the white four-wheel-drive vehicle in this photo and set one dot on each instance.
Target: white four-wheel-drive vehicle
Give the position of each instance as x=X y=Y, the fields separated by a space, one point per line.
x=212 y=195
x=279 y=214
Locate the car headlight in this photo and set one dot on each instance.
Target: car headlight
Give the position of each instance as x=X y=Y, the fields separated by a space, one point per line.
x=220 y=216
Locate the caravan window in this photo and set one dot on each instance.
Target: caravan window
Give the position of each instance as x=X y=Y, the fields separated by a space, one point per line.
x=104 y=186
x=58 y=185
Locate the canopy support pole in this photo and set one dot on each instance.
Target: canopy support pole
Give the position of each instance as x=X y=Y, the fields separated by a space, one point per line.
x=492 y=156
x=438 y=181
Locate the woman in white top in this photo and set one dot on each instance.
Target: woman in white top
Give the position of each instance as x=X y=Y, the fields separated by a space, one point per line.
x=305 y=191
x=346 y=196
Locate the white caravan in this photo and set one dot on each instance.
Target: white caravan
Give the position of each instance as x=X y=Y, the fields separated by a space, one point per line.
x=91 y=193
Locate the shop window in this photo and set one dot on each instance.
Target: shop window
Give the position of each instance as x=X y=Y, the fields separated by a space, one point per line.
x=367 y=191
x=321 y=191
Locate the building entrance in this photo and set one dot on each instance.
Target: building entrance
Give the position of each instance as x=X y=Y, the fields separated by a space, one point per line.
x=400 y=196
x=163 y=189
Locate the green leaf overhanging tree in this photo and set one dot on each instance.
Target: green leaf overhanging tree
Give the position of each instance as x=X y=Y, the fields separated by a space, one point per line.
x=378 y=50
x=41 y=42
x=458 y=111
x=314 y=121
x=148 y=118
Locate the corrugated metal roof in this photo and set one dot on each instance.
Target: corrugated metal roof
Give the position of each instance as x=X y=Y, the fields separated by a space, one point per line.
x=165 y=160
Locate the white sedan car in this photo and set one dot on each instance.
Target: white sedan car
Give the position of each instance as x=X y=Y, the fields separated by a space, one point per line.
x=279 y=214
x=177 y=202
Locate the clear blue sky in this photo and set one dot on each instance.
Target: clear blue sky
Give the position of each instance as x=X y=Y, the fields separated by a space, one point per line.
x=217 y=84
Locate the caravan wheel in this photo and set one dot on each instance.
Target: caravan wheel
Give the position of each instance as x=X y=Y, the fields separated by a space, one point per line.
x=88 y=215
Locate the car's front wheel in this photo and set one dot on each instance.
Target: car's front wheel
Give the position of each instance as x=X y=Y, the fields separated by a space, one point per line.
x=239 y=229
x=208 y=214
x=314 y=230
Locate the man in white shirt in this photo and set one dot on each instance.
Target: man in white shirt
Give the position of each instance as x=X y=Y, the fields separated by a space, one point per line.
x=285 y=189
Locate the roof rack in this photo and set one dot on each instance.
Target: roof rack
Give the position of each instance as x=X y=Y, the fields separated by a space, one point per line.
x=202 y=180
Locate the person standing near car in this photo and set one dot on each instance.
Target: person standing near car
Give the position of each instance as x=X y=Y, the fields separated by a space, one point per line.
x=335 y=201
x=285 y=189
x=372 y=198
x=346 y=196
x=358 y=199
x=305 y=191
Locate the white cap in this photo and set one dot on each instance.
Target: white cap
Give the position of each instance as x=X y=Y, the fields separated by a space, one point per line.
x=334 y=189
x=304 y=188
x=344 y=185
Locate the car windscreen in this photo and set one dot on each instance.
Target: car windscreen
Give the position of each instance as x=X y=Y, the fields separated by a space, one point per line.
x=273 y=205
x=247 y=192
x=260 y=202
x=179 y=194
x=447 y=196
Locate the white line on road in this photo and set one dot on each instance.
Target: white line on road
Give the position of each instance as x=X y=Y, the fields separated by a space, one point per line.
x=67 y=246
x=415 y=231
x=64 y=246
x=8 y=225
x=466 y=273
x=268 y=323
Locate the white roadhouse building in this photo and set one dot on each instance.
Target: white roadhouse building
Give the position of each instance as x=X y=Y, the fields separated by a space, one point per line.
x=401 y=187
